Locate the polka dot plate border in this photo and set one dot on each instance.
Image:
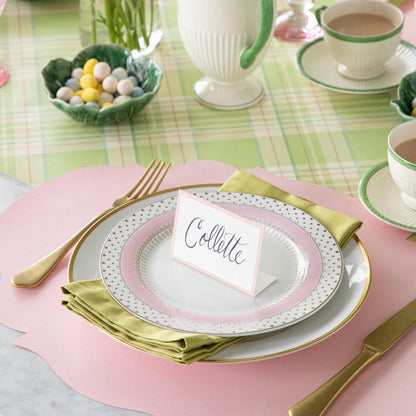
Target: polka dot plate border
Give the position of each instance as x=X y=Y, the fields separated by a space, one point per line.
x=299 y=238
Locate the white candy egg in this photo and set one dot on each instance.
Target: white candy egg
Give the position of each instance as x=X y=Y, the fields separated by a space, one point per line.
x=76 y=100
x=77 y=73
x=121 y=99
x=120 y=73
x=125 y=87
x=105 y=97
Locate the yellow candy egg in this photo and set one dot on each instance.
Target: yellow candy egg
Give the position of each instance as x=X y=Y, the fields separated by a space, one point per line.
x=78 y=93
x=414 y=112
x=100 y=88
x=87 y=81
x=106 y=105
x=90 y=94
x=89 y=66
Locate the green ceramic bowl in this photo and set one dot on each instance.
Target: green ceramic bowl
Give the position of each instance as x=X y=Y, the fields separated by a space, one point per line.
x=149 y=74
x=405 y=94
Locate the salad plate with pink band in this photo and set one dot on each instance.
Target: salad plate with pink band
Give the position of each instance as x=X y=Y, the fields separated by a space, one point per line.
x=140 y=274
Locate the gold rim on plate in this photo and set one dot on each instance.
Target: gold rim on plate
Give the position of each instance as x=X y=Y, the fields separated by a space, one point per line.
x=238 y=360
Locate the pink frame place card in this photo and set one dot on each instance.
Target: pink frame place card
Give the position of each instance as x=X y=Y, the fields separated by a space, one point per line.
x=219 y=243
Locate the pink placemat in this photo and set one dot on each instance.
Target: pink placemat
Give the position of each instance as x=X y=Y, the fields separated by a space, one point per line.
x=409 y=27
x=103 y=369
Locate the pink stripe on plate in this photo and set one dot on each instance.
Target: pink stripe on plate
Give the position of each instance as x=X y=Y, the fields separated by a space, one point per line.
x=306 y=244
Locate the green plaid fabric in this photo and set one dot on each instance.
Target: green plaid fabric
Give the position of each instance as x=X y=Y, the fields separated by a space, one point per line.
x=298 y=130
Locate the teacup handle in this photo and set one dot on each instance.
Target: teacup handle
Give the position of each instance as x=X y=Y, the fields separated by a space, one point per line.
x=266 y=24
x=318 y=13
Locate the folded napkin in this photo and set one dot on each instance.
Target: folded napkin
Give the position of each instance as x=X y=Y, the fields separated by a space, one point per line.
x=342 y=226
x=91 y=300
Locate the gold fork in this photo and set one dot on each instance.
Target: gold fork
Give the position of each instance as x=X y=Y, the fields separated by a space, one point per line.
x=147 y=184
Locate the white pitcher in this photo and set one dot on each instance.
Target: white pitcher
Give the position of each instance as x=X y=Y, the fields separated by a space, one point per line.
x=227 y=40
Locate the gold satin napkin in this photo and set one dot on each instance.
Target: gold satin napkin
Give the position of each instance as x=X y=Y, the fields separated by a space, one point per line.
x=91 y=300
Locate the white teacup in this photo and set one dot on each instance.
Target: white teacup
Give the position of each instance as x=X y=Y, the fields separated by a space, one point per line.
x=361 y=35
x=401 y=156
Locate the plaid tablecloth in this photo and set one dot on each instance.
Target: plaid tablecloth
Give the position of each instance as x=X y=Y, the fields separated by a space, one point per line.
x=298 y=130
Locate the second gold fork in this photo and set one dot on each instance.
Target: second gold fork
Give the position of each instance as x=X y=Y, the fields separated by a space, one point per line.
x=147 y=184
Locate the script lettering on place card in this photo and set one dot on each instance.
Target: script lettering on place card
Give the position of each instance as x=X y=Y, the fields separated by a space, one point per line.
x=218 y=243
x=216 y=239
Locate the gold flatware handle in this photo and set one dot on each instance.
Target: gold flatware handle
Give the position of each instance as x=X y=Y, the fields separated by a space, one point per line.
x=317 y=402
x=147 y=184
x=35 y=274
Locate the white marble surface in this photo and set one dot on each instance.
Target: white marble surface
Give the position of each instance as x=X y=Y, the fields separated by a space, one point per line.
x=28 y=386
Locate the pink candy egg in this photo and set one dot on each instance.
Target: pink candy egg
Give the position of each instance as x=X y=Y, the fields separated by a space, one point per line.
x=110 y=84
x=101 y=70
x=64 y=93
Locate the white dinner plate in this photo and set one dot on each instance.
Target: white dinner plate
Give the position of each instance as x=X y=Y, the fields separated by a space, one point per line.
x=316 y=64
x=340 y=309
x=381 y=196
x=139 y=273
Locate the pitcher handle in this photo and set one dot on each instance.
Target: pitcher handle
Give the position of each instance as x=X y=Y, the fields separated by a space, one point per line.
x=249 y=54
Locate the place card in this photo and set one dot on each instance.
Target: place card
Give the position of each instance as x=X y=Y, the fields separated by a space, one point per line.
x=219 y=243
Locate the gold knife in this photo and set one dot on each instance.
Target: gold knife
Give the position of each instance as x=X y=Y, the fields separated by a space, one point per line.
x=375 y=344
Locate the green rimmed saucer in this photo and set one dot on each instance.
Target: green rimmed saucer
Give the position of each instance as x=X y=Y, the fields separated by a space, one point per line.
x=380 y=195
x=314 y=62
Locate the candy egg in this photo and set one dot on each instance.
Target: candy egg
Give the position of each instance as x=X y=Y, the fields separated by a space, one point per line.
x=119 y=73
x=87 y=81
x=72 y=83
x=121 y=99
x=133 y=80
x=137 y=92
x=414 y=102
x=125 y=87
x=105 y=97
x=76 y=100
x=64 y=93
x=89 y=66
x=413 y=113
x=99 y=87
x=77 y=73
x=110 y=84
x=92 y=104
x=101 y=70
x=90 y=94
